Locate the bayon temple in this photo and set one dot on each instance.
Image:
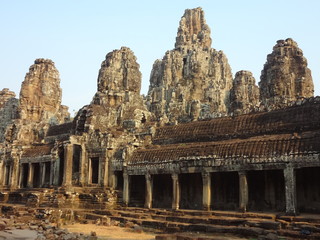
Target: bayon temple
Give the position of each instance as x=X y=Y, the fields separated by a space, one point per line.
x=201 y=139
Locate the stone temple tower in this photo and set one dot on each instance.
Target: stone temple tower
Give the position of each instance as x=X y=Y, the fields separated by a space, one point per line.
x=193 y=80
x=40 y=94
x=285 y=76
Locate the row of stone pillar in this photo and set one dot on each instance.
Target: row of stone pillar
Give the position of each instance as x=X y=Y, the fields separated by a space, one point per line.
x=290 y=190
x=9 y=173
x=10 y=176
x=31 y=174
x=85 y=168
x=13 y=182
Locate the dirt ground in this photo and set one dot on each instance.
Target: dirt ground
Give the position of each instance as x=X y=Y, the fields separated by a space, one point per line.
x=120 y=233
x=109 y=233
x=25 y=234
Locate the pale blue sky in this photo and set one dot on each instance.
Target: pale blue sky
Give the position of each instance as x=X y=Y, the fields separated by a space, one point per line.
x=77 y=35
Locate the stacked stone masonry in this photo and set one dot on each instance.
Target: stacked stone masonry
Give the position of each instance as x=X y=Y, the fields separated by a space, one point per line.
x=200 y=139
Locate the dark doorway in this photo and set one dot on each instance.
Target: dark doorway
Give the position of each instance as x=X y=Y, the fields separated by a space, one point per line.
x=61 y=165
x=308 y=190
x=162 y=191
x=266 y=190
x=7 y=176
x=225 y=191
x=137 y=190
x=95 y=170
x=191 y=190
x=76 y=159
x=118 y=180
x=36 y=175
x=25 y=173
x=47 y=174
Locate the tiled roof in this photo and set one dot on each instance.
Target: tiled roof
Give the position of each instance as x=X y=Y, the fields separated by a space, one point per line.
x=36 y=151
x=60 y=129
x=255 y=147
x=294 y=119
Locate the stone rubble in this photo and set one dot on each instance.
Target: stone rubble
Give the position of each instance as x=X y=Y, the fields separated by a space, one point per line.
x=36 y=224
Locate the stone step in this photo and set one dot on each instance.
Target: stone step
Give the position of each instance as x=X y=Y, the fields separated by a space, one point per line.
x=299 y=227
x=216 y=220
x=314 y=218
x=226 y=221
x=298 y=234
x=172 y=227
x=248 y=224
x=184 y=212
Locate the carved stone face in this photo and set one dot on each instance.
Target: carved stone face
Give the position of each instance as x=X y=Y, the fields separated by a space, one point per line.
x=40 y=94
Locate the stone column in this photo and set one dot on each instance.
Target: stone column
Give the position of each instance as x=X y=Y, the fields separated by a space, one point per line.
x=84 y=159
x=52 y=170
x=3 y=172
x=20 y=176
x=112 y=180
x=206 y=190
x=110 y=175
x=68 y=157
x=106 y=172
x=100 y=171
x=290 y=190
x=56 y=172
x=9 y=173
x=42 y=174
x=30 y=176
x=243 y=191
x=89 y=171
x=148 y=199
x=126 y=189
x=176 y=191
x=14 y=173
